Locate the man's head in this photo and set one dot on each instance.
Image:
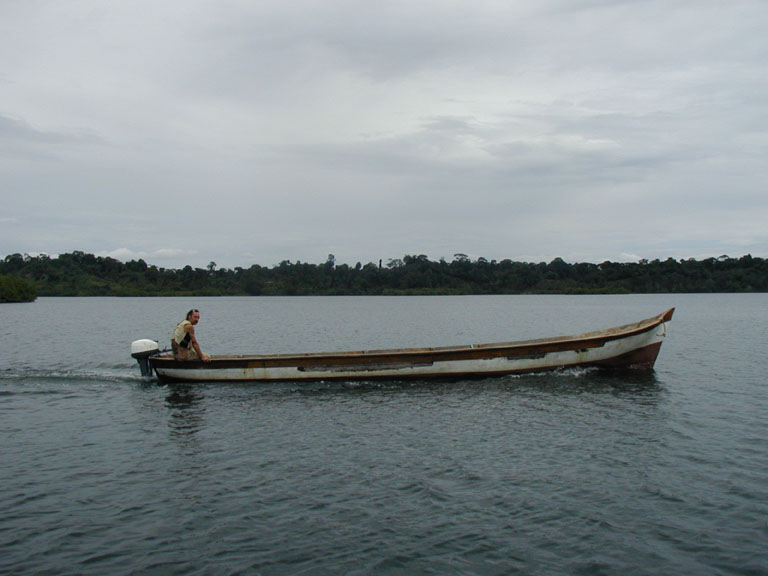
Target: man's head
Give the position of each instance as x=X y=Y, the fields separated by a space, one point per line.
x=193 y=316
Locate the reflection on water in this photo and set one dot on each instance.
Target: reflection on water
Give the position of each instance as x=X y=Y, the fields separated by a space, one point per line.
x=186 y=409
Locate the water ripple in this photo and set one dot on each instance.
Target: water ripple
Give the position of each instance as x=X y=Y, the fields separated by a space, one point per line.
x=568 y=473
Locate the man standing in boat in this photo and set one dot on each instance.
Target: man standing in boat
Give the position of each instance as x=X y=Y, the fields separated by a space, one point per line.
x=184 y=342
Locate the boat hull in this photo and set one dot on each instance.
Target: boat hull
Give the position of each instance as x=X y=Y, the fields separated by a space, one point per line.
x=633 y=346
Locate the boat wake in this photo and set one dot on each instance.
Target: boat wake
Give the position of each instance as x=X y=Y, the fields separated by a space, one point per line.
x=115 y=374
x=576 y=372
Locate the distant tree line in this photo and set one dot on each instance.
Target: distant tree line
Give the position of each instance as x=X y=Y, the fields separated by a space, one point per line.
x=81 y=274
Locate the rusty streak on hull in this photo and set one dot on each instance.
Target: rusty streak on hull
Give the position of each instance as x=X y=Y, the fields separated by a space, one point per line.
x=632 y=346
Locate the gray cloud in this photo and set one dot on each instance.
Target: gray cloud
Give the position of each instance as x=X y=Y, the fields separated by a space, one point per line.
x=244 y=133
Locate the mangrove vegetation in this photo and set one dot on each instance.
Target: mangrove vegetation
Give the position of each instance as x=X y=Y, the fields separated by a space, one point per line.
x=15 y=289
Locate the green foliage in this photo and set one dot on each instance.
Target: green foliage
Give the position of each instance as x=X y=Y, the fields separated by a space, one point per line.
x=81 y=274
x=15 y=289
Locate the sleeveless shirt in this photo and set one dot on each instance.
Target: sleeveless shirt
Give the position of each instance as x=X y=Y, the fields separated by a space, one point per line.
x=180 y=335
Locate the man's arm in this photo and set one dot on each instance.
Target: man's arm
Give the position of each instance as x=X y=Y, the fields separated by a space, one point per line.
x=193 y=340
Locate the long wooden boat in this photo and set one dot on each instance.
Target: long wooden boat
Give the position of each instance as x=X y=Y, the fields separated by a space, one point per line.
x=632 y=346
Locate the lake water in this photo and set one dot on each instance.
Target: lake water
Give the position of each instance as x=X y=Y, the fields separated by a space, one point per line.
x=568 y=473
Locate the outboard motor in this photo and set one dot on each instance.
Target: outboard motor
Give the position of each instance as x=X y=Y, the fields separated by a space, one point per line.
x=142 y=350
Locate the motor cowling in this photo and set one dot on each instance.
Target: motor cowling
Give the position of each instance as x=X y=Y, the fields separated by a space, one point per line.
x=141 y=350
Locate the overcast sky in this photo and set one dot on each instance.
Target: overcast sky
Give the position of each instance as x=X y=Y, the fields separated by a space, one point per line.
x=251 y=132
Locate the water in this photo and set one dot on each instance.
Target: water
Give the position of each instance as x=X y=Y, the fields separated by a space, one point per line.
x=572 y=473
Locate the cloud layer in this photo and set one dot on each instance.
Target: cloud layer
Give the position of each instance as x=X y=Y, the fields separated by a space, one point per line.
x=253 y=133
